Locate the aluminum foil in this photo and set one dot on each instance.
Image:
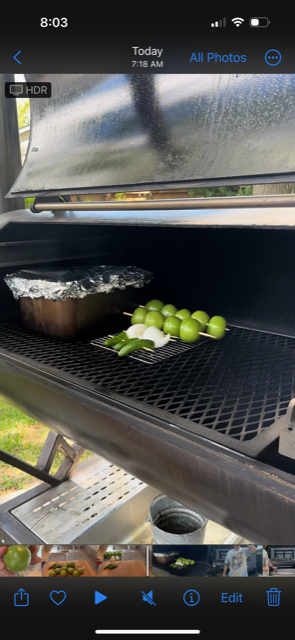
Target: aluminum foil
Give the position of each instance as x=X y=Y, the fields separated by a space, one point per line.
x=77 y=282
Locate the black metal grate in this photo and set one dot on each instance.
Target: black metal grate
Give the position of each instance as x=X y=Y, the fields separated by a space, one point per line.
x=237 y=386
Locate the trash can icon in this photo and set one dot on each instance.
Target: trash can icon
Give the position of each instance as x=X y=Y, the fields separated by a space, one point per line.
x=273 y=597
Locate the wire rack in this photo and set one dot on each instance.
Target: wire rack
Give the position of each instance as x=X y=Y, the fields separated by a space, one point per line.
x=173 y=348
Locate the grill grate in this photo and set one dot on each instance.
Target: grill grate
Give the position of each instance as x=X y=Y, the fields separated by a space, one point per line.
x=237 y=386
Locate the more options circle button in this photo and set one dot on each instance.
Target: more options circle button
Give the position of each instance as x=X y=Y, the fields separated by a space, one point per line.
x=272 y=57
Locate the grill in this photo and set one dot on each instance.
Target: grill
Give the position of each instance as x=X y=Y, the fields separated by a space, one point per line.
x=285 y=554
x=283 y=558
x=237 y=387
x=206 y=424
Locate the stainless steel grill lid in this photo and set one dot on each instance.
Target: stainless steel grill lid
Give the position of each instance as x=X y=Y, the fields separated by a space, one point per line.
x=129 y=132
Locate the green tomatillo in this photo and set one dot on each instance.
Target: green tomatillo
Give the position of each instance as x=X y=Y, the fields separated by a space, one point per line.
x=17 y=557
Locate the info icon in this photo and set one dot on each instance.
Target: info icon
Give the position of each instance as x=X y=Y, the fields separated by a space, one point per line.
x=191 y=598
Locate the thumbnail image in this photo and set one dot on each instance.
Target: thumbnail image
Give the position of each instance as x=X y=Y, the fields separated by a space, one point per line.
x=234 y=561
x=278 y=561
x=180 y=560
x=20 y=560
x=120 y=561
x=69 y=560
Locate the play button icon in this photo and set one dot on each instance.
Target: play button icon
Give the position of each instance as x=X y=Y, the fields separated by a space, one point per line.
x=99 y=597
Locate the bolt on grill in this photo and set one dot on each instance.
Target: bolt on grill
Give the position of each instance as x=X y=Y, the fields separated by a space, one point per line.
x=238 y=386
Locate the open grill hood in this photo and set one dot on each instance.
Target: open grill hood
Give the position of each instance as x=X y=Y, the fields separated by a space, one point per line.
x=101 y=133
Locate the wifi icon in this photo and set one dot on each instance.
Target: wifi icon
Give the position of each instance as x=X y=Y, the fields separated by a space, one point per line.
x=237 y=21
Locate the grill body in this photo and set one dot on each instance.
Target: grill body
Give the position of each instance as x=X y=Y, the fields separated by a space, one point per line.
x=202 y=426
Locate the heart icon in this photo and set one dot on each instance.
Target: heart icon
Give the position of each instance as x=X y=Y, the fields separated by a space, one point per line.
x=58 y=596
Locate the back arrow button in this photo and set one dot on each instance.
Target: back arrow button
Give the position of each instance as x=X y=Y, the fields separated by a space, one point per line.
x=15 y=58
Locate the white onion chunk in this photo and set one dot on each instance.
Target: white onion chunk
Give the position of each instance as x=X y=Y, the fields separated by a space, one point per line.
x=157 y=336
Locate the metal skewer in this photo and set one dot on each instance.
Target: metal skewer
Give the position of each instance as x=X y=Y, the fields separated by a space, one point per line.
x=201 y=334
x=206 y=335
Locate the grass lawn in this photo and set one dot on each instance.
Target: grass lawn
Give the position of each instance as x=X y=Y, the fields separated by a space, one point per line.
x=24 y=438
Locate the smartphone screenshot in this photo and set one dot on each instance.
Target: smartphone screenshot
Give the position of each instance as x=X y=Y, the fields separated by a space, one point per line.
x=147 y=324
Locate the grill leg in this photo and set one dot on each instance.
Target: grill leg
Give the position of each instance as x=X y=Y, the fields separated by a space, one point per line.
x=41 y=470
x=68 y=465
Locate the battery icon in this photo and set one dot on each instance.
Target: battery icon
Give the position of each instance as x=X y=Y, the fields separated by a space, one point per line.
x=259 y=22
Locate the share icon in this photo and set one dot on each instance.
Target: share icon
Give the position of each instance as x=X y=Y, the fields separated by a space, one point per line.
x=148 y=597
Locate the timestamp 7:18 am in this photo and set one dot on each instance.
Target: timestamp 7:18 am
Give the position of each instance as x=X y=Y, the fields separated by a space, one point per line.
x=146 y=63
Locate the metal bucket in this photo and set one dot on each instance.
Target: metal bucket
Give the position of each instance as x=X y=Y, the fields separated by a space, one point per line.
x=173 y=523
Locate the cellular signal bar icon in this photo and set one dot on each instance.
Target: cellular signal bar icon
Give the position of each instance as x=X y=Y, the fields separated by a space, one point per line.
x=219 y=23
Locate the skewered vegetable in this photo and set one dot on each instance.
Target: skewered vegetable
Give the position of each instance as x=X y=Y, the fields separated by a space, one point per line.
x=118 y=347
x=182 y=562
x=154 y=305
x=202 y=317
x=136 y=346
x=216 y=327
x=138 y=316
x=172 y=326
x=157 y=336
x=136 y=330
x=116 y=339
x=189 y=330
x=168 y=310
x=183 y=314
x=154 y=319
